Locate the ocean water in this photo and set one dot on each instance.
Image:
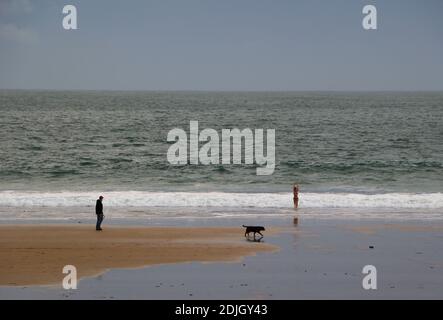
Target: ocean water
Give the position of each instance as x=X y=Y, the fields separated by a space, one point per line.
x=346 y=150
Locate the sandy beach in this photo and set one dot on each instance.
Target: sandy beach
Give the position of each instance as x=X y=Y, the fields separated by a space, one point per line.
x=316 y=259
x=36 y=255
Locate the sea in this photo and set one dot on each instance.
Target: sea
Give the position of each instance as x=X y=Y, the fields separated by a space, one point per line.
x=353 y=154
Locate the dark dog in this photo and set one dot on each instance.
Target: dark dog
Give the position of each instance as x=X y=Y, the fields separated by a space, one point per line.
x=254 y=229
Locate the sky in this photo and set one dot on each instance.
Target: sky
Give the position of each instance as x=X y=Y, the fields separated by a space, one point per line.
x=238 y=45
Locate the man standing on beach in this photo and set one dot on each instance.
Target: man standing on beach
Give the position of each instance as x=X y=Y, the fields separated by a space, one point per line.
x=99 y=213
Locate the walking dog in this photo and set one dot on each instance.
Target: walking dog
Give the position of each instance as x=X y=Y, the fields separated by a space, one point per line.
x=253 y=229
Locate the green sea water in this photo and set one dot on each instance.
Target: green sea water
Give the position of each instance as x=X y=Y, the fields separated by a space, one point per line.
x=335 y=142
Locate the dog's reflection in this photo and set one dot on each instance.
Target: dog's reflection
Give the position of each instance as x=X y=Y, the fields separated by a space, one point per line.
x=254 y=239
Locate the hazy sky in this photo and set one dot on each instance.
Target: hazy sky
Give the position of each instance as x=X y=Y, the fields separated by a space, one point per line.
x=222 y=45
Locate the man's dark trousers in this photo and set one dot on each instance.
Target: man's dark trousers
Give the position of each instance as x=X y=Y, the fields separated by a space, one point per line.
x=99 y=221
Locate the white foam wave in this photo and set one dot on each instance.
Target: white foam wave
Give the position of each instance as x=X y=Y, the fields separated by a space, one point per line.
x=221 y=199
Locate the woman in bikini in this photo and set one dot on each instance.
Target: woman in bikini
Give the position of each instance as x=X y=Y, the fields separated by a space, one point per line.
x=295 y=190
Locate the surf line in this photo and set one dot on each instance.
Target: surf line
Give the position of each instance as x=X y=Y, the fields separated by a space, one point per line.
x=247 y=142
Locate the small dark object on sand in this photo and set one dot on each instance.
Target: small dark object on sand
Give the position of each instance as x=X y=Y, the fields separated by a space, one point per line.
x=371 y=247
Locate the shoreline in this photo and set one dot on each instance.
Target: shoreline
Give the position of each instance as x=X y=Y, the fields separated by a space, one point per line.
x=35 y=255
x=121 y=215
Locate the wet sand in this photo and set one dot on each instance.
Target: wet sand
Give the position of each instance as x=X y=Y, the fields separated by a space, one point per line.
x=316 y=259
x=36 y=255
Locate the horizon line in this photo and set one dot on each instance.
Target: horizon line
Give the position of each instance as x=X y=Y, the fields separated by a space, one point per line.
x=232 y=90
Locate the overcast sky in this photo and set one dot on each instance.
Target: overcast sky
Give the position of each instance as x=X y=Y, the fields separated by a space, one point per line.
x=222 y=45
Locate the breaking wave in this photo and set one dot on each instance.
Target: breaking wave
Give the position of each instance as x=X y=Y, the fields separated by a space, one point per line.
x=222 y=199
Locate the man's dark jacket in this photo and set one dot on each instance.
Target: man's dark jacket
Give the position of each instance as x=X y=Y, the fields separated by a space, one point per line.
x=99 y=207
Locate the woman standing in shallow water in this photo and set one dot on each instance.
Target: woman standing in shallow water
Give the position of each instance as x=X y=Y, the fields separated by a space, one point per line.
x=295 y=190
